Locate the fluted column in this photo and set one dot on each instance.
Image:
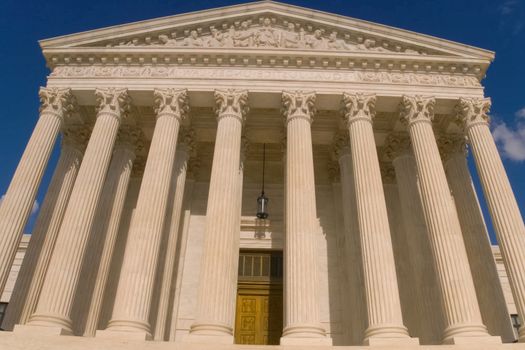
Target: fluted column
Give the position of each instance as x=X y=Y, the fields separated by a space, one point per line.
x=461 y=313
x=301 y=314
x=358 y=312
x=36 y=259
x=215 y=305
x=178 y=185
x=109 y=212
x=55 y=106
x=135 y=289
x=385 y=321
x=504 y=210
x=475 y=235
x=56 y=299
x=428 y=322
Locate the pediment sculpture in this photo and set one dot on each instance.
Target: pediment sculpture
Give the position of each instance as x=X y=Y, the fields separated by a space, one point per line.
x=268 y=34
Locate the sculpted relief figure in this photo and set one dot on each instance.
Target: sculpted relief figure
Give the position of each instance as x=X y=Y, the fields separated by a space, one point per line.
x=244 y=37
x=165 y=40
x=267 y=36
x=193 y=40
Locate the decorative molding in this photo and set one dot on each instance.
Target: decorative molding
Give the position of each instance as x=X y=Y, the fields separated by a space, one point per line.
x=473 y=111
x=358 y=106
x=172 y=103
x=413 y=109
x=57 y=101
x=298 y=104
x=176 y=72
x=396 y=144
x=231 y=103
x=113 y=101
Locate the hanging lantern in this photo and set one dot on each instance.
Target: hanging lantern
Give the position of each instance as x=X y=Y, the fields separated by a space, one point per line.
x=262 y=200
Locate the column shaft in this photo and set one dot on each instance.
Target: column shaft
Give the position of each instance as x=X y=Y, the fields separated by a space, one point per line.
x=504 y=210
x=427 y=306
x=133 y=300
x=301 y=315
x=358 y=316
x=215 y=306
x=173 y=225
x=56 y=105
x=58 y=291
x=382 y=293
x=106 y=229
x=36 y=259
x=461 y=311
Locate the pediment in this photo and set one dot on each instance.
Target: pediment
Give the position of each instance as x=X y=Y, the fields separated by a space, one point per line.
x=263 y=26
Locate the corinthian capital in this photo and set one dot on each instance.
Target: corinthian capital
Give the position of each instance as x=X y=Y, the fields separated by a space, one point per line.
x=171 y=102
x=414 y=109
x=187 y=140
x=56 y=101
x=130 y=137
x=341 y=143
x=231 y=103
x=388 y=173
x=76 y=136
x=298 y=104
x=358 y=106
x=472 y=111
x=396 y=144
x=113 y=101
x=451 y=144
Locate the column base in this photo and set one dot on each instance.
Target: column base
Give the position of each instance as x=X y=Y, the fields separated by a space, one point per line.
x=461 y=340
x=34 y=330
x=209 y=339
x=305 y=341
x=128 y=335
x=388 y=341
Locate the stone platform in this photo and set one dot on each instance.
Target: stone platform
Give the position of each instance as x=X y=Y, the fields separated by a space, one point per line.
x=12 y=341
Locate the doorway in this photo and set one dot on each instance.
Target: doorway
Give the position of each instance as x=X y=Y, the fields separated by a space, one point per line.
x=259 y=312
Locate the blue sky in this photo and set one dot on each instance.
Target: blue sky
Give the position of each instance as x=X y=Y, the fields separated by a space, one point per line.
x=497 y=25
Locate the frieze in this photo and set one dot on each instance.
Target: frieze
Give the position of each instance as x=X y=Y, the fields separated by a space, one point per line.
x=166 y=72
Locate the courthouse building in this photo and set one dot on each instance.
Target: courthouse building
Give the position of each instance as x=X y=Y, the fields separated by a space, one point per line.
x=262 y=174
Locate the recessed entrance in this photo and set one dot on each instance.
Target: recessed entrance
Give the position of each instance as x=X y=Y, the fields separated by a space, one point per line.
x=259 y=314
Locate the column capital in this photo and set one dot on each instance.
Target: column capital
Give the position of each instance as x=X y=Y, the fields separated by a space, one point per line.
x=472 y=111
x=396 y=144
x=231 y=103
x=57 y=101
x=245 y=147
x=413 y=109
x=131 y=137
x=334 y=172
x=76 y=136
x=358 y=106
x=194 y=165
x=298 y=104
x=449 y=144
x=186 y=140
x=341 y=144
x=113 y=101
x=172 y=103
x=138 y=166
x=388 y=173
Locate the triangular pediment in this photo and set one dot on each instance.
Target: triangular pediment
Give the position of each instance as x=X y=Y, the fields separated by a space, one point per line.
x=263 y=26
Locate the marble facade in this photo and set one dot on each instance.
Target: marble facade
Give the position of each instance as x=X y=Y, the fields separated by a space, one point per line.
x=162 y=125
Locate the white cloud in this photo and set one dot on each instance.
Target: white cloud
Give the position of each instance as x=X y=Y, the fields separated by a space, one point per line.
x=520 y=113
x=511 y=141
